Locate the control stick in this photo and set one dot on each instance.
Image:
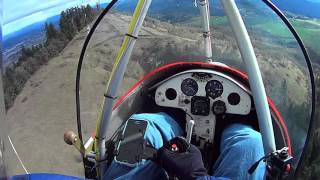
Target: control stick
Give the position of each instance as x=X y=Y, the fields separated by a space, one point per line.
x=177 y=144
x=189 y=130
x=181 y=159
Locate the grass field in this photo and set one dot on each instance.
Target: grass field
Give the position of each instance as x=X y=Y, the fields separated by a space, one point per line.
x=310 y=33
x=309 y=30
x=215 y=21
x=272 y=28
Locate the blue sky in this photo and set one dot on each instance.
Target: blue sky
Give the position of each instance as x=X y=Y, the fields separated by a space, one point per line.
x=18 y=14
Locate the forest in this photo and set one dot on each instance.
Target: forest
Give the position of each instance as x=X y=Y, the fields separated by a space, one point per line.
x=32 y=58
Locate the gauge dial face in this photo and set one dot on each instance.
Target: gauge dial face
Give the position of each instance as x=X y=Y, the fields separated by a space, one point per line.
x=214 y=89
x=189 y=87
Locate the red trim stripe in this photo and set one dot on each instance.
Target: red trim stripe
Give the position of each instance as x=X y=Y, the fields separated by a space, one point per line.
x=284 y=127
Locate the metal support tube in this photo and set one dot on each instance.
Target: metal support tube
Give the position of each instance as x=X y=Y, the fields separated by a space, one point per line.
x=255 y=79
x=117 y=76
x=205 y=17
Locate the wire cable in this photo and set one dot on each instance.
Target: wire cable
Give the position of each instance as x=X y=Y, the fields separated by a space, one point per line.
x=80 y=62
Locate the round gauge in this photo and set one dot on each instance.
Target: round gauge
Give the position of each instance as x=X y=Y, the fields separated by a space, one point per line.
x=189 y=87
x=214 y=89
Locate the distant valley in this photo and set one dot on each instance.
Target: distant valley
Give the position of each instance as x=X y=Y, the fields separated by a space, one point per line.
x=31 y=35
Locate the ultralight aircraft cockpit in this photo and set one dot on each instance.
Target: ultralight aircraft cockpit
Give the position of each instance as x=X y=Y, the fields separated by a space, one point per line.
x=207 y=64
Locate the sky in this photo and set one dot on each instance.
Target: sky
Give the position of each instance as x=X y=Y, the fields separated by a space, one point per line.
x=18 y=14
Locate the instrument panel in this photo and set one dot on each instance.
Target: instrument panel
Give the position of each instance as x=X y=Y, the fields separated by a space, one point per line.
x=203 y=95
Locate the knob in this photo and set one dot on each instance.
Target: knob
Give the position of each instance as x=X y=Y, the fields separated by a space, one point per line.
x=70 y=137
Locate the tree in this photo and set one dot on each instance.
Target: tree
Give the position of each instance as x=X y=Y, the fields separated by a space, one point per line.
x=67 y=26
x=89 y=13
x=51 y=31
x=98 y=7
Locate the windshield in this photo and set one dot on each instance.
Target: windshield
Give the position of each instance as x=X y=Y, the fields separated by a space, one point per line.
x=41 y=104
x=173 y=33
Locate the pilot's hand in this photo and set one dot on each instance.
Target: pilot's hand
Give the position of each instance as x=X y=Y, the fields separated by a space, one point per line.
x=181 y=159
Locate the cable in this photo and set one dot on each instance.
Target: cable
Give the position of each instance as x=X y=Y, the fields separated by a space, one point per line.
x=188 y=115
x=16 y=153
x=309 y=64
x=80 y=62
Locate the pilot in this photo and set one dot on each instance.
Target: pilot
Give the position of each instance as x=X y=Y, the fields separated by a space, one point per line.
x=240 y=148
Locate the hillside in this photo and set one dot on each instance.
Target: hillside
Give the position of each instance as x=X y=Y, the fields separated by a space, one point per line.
x=45 y=108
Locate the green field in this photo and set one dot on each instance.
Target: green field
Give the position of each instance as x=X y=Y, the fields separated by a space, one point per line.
x=214 y=20
x=309 y=30
x=275 y=28
x=310 y=33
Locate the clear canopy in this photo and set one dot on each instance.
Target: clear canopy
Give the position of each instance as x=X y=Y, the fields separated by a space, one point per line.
x=172 y=32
